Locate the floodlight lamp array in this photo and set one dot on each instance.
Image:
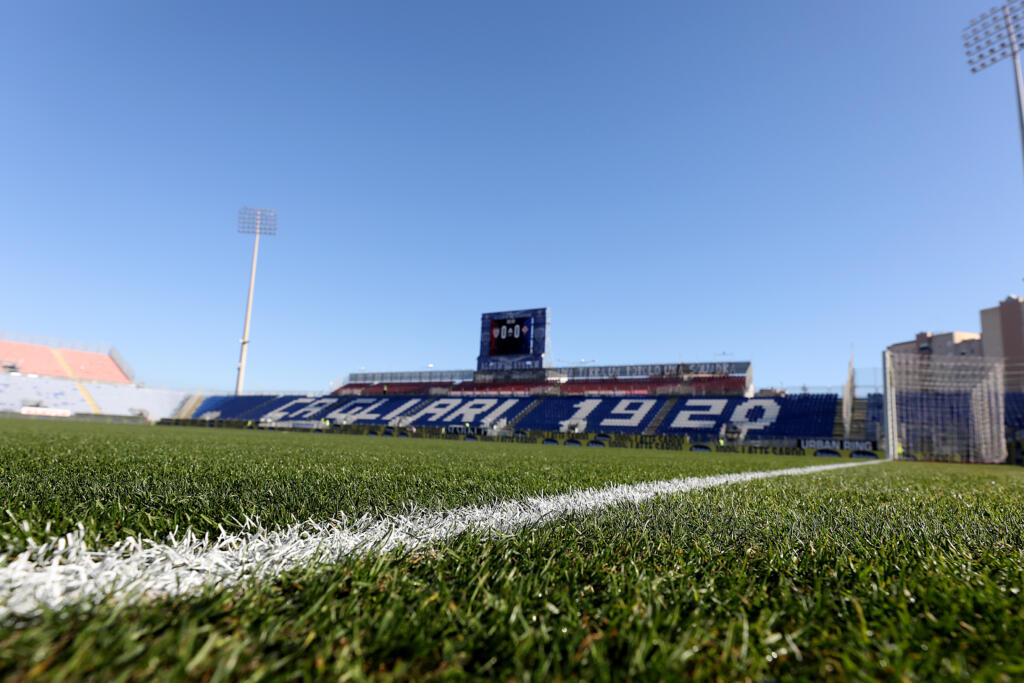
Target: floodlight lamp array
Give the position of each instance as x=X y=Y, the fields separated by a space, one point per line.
x=993 y=36
x=258 y=221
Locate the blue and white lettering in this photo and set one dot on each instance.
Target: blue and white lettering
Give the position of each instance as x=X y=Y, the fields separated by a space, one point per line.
x=315 y=407
x=499 y=411
x=280 y=413
x=346 y=412
x=401 y=409
x=579 y=418
x=436 y=410
x=711 y=407
x=471 y=409
x=635 y=409
x=741 y=416
x=367 y=413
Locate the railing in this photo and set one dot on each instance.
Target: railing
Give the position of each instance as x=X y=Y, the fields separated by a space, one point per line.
x=122 y=364
x=54 y=342
x=416 y=376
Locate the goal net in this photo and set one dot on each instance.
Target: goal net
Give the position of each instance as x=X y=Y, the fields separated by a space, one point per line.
x=945 y=407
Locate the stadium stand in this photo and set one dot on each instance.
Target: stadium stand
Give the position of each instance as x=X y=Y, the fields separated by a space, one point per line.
x=699 y=418
x=1014 y=412
x=426 y=411
x=47 y=361
x=404 y=388
x=918 y=408
x=19 y=391
x=468 y=411
x=622 y=387
x=55 y=380
x=30 y=359
x=86 y=398
x=874 y=420
x=798 y=416
x=369 y=410
x=626 y=415
x=352 y=388
x=94 y=367
x=715 y=385
x=235 y=407
x=643 y=386
x=500 y=388
x=118 y=399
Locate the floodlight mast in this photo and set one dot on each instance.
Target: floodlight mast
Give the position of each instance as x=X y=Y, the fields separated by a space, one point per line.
x=991 y=38
x=252 y=222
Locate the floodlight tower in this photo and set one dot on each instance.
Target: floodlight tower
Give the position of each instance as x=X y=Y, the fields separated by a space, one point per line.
x=991 y=38
x=252 y=222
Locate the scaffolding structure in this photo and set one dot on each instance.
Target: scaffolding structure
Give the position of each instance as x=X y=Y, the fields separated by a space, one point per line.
x=948 y=408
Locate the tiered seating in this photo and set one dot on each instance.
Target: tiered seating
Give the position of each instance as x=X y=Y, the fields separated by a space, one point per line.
x=700 y=418
x=118 y=399
x=45 y=392
x=385 y=388
x=800 y=416
x=403 y=388
x=919 y=411
x=30 y=359
x=429 y=411
x=1014 y=412
x=874 y=419
x=621 y=387
x=475 y=411
x=352 y=388
x=643 y=386
x=94 y=367
x=629 y=415
x=36 y=359
x=654 y=386
x=715 y=385
x=232 y=407
x=17 y=391
x=374 y=410
x=499 y=388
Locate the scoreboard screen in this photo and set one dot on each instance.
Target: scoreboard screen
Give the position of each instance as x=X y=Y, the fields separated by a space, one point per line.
x=513 y=340
x=511 y=337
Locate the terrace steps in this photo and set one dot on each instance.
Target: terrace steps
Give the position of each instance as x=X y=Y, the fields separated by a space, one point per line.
x=188 y=407
x=512 y=423
x=660 y=417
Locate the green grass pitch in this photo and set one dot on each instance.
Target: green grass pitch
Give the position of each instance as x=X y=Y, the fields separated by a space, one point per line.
x=895 y=570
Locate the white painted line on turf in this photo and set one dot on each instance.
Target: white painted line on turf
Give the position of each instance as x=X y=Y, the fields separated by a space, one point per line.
x=63 y=571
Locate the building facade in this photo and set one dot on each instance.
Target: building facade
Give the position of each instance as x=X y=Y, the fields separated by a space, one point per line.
x=1002 y=336
x=942 y=344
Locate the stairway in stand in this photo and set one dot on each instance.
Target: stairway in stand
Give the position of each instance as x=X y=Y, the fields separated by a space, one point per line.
x=660 y=417
x=189 y=406
x=512 y=423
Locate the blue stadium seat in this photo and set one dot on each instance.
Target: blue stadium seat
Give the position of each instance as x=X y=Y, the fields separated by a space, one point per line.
x=700 y=417
x=800 y=416
x=874 y=417
x=230 y=407
x=1014 y=412
x=593 y=414
x=476 y=411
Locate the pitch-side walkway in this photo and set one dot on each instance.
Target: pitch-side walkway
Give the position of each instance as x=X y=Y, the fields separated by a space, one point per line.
x=64 y=571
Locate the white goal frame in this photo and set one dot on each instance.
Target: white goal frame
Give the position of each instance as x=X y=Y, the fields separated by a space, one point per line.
x=949 y=408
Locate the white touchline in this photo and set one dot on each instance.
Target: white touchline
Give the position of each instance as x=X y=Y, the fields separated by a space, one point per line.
x=63 y=571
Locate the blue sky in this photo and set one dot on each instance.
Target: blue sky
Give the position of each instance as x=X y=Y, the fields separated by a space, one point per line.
x=775 y=182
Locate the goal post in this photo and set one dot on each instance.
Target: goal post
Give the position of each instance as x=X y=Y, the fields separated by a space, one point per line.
x=948 y=408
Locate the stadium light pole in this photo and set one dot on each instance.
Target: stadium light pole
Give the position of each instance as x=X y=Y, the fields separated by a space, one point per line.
x=991 y=38
x=252 y=222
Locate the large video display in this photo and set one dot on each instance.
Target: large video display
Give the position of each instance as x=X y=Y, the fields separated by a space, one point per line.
x=513 y=340
x=511 y=337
